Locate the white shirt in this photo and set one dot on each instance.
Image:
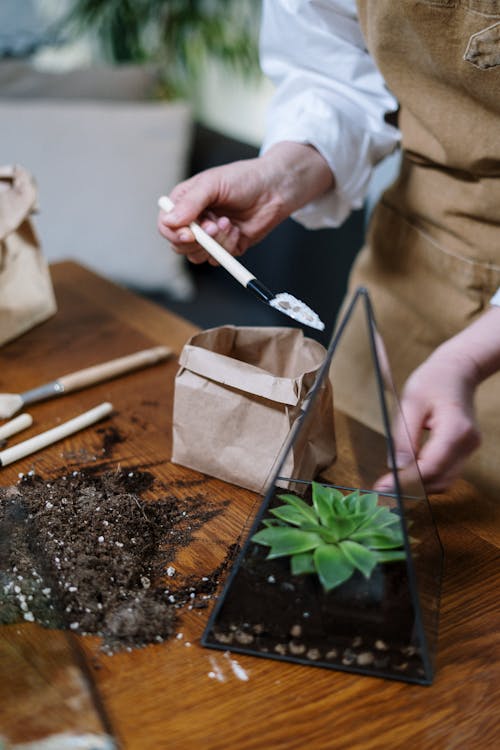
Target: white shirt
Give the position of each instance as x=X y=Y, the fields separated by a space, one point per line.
x=330 y=94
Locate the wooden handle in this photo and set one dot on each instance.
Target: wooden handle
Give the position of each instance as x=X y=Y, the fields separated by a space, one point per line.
x=226 y=260
x=15 y=425
x=107 y=370
x=48 y=437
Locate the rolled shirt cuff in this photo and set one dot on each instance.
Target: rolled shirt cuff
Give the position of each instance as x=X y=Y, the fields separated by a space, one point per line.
x=495 y=300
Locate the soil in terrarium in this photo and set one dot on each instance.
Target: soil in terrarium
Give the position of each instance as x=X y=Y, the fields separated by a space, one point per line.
x=362 y=625
x=86 y=552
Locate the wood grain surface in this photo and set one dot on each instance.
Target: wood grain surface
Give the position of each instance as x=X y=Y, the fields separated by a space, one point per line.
x=175 y=696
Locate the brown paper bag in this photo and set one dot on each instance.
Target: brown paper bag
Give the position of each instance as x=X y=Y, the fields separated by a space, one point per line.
x=238 y=393
x=26 y=294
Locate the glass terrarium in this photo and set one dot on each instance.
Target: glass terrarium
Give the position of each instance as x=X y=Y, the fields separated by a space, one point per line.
x=334 y=574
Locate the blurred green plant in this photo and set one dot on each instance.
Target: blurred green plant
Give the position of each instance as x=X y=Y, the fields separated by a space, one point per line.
x=335 y=536
x=176 y=35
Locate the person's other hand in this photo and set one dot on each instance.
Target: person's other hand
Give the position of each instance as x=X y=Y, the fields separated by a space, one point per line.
x=239 y=203
x=438 y=397
x=440 y=429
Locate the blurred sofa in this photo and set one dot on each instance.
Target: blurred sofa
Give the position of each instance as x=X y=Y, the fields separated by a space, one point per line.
x=102 y=150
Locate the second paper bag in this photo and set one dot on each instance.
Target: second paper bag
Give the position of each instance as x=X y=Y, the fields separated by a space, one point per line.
x=238 y=393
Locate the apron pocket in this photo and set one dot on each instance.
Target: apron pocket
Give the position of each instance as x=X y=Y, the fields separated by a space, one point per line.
x=483 y=49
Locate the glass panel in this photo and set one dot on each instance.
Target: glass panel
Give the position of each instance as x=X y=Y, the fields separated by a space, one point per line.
x=354 y=578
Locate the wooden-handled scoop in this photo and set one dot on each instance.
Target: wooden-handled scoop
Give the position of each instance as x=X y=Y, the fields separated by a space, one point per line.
x=10 y=403
x=283 y=301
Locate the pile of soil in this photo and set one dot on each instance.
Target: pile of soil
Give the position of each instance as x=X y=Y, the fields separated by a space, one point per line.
x=86 y=552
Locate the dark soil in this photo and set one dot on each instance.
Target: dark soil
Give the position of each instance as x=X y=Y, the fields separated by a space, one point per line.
x=86 y=552
x=363 y=626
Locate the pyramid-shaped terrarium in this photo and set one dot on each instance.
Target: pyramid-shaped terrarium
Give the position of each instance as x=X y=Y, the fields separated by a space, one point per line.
x=332 y=573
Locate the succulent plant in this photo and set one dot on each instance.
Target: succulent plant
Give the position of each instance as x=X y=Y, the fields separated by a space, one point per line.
x=335 y=536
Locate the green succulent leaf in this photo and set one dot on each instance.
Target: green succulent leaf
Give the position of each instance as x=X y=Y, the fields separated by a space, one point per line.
x=351 y=501
x=285 y=541
x=289 y=515
x=302 y=563
x=268 y=522
x=380 y=518
x=332 y=566
x=328 y=535
x=339 y=505
x=345 y=527
x=300 y=505
x=383 y=539
x=323 y=502
x=387 y=556
x=367 y=503
x=361 y=557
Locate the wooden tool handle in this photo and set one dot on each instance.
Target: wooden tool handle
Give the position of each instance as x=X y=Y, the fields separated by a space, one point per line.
x=15 y=425
x=9 y=455
x=226 y=260
x=106 y=370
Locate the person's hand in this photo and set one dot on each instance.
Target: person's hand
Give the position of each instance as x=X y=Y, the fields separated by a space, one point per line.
x=437 y=404
x=239 y=203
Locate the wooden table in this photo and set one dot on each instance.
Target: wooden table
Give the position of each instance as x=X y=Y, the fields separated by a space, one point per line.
x=162 y=697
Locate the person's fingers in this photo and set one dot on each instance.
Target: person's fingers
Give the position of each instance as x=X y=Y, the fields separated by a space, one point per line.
x=452 y=438
x=198 y=256
x=407 y=430
x=191 y=198
x=229 y=235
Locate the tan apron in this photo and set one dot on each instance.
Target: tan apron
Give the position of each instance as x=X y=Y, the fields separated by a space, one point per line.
x=432 y=258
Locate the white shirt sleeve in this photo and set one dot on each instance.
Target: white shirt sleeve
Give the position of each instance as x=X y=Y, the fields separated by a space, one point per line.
x=495 y=300
x=329 y=94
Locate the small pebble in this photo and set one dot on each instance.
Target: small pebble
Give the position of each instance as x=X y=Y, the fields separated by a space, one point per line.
x=314 y=654
x=224 y=637
x=243 y=638
x=365 y=658
x=348 y=657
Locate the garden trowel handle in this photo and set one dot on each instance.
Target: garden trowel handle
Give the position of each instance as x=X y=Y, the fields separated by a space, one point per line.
x=107 y=370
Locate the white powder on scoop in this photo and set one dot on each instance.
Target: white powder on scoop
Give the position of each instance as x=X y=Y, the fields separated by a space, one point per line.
x=294 y=308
